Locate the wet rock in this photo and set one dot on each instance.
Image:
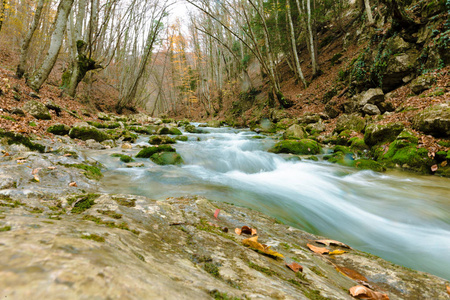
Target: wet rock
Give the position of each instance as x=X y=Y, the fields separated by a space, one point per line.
x=59 y=129
x=126 y=146
x=84 y=131
x=407 y=155
x=193 y=129
x=161 y=139
x=367 y=164
x=302 y=147
x=166 y=158
x=37 y=110
x=350 y=122
x=422 y=83
x=214 y=123
x=434 y=120
x=378 y=134
x=149 y=151
x=295 y=132
x=371 y=110
x=109 y=144
x=135 y=165
x=93 y=144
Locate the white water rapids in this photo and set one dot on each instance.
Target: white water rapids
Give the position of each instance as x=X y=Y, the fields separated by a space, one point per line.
x=398 y=216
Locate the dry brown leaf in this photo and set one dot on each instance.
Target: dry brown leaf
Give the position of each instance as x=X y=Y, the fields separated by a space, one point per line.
x=351 y=273
x=318 y=250
x=444 y=163
x=73 y=184
x=295 y=267
x=362 y=292
x=332 y=243
x=51 y=168
x=238 y=231
x=253 y=243
x=337 y=252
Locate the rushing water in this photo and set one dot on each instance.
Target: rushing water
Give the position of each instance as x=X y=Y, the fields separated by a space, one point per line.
x=399 y=216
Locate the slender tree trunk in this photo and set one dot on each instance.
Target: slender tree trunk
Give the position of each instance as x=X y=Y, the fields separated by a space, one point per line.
x=315 y=66
x=2 y=13
x=294 y=46
x=41 y=74
x=368 y=12
x=26 y=42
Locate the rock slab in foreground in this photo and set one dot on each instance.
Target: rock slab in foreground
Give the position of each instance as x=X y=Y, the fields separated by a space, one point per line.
x=130 y=247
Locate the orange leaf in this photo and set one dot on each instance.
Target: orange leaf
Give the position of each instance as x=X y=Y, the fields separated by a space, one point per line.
x=332 y=243
x=254 y=231
x=362 y=292
x=216 y=214
x=443 y=164
x=238 y=231
x=318 y=250
x=448 y=289
x=36 y=178
x=295 y=267
x=73 y=184
x=351 y=273
x=253 y=243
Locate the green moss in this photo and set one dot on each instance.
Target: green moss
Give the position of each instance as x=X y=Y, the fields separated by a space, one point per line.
x=358 y=144
x=161 y=139
x=408 y=136
x=8 y=118
x=211 y=268
x=402 y=152
x=36 y=210
x=167 y=121
x=88 y=133
x=91 y=172
x=59 y=129
x=110 y=213
x=175 y=131
x=107 y=125
x=314 y=295
x=167 y=158
x=94 y=237
x=149 y=151
x=444 y=143
x=32 y=124
x=367 y=164
x=204 y=226
x=140 y=129
x=216 y=295
x=125 y=202
x=304 y=146
x=5 y=228
x=317 y=271
x=182 y=138
x=264 y=270
x=15 y=138
x=123 y=157
x=82 y=202
x=193 y=129
x=123 y=225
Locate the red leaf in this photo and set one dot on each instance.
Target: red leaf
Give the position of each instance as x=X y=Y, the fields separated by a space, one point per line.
x=295 y=267
x=216 y=214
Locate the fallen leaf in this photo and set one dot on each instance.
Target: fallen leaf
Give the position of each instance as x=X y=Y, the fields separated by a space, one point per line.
x=444 y=163
x=337 y=252
x=253 y=243
x=36 y=178
x=448 y=289
x=246 y=230
x=351 y=273
x=216 y=214
x=6 y=154
x=319 y=250
x=362 y=292
x=332 y=243
x=254 y=231
x=67 y=154
x=35 y=171
x=51 y=168
x=238 y=231
x=295 y=267
x=21 y=161
x=73 y=184
x=434 y=168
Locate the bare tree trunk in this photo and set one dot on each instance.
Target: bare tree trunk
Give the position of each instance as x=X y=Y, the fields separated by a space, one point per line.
x=40 y=76
x=294 y=45
x=26 y=42
x=315 y=66
x=368 y=12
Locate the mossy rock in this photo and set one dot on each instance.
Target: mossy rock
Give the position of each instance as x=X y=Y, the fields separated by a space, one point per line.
x=296 y=132
x=161 y=139
x=103 y=116
x=37 y=110
x=285 y=123
x=341 y=155
x=85 y=132
x=128 y=136
x=175 y=131
x=183 y=123
x=91 y=172
x=434 y=120
x=181 y=138
x=379 y=134
x=15 y=138
x=193 y=129
x=59 y=129
x=443 y=171
x=367 y=164
x=407 y=155
x=123 y=157
x=358 y=144
x=343 y=138
x=149 y=151
x=167 y=121
x=167 y=158
x=350 y=122
x=408 y=136
x=214 y=123
x=302 y=147
x=140 y=129
x=107 y=125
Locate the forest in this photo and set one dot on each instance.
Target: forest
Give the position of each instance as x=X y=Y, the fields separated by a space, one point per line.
x=227 y=149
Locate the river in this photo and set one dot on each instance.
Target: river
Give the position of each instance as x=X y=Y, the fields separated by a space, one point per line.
x=401 y=217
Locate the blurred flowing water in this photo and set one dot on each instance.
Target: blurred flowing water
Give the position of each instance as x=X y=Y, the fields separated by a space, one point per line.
x=401 y=217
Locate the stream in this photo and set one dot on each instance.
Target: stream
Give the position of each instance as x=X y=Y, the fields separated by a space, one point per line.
x=401 y=217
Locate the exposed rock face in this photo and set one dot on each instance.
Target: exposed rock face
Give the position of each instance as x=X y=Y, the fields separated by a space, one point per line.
x=84 y=131
x=37 y=110
x=371 y=110
x=295 y=132
x=371 y=96
x=434 y=120
x=421 y=84
x=350 y=122
x=131 y=247
x=378 y=134
x=398 y=66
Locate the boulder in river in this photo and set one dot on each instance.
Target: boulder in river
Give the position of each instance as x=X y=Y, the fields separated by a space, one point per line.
x=84 y=131
x=161 y=139
x=149 y=151
x=302 y=147
x=166 y=158
x=37 y=110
